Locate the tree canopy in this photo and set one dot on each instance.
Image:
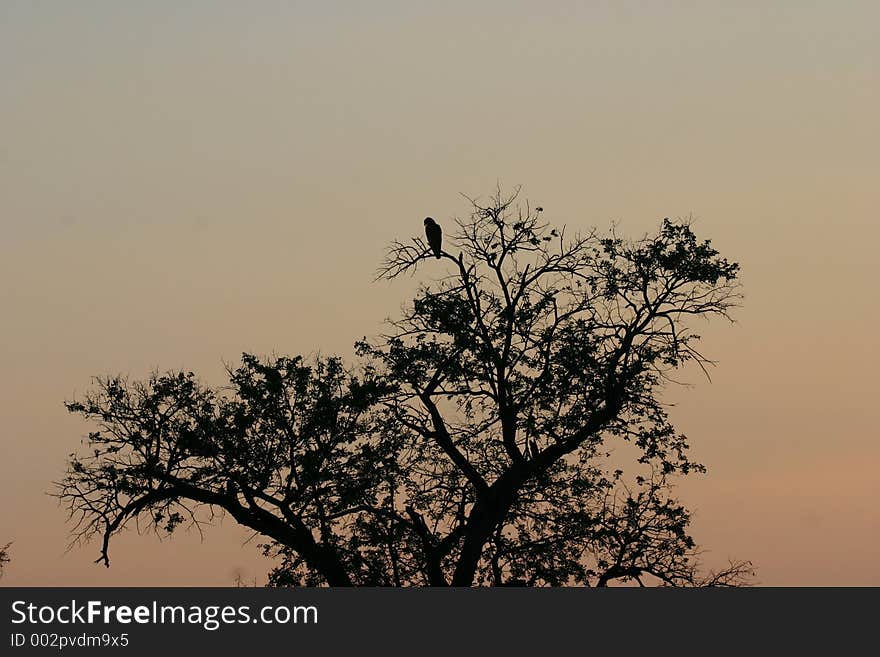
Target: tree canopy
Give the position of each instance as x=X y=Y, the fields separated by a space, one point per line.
x=474 y=443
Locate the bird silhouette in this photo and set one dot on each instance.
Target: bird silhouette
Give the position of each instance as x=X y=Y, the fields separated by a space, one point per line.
x=435 y=236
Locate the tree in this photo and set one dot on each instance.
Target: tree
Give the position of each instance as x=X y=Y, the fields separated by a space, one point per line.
x=4 y=557
x=472 y=444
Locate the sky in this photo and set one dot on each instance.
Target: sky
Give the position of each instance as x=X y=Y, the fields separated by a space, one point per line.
x=183 y=182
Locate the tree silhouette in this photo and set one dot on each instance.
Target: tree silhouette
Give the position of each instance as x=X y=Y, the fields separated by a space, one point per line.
x=483 y=440
x=4 y=557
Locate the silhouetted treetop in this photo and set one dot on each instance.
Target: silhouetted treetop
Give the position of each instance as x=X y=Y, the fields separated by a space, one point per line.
x=471 y=444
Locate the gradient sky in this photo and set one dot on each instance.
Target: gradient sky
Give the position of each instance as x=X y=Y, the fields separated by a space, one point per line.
x=181 y=182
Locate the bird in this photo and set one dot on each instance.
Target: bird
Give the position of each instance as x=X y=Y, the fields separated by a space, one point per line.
x=435 y=236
